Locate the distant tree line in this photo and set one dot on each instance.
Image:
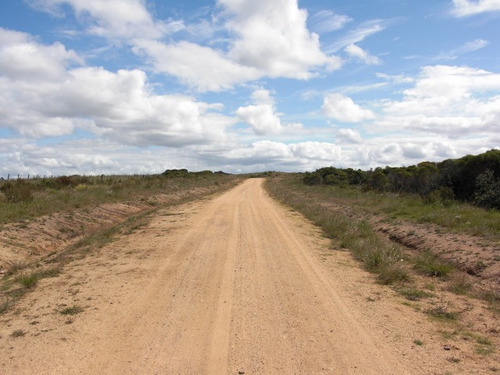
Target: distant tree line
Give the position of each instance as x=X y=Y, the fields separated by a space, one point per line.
x=472 y=178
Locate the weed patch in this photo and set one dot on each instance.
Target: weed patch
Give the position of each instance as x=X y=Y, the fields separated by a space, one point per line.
x=73 y=310
x=442 y=313
x=28 y=280
x=414 y=294
x=18 y=333
x=430 y=264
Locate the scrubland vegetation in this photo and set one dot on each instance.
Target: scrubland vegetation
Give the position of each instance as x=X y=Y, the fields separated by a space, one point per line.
x=471 y=179
x=456 y=196
x=23 y=199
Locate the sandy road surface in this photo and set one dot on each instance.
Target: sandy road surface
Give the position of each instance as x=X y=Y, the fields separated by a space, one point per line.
x=231 y=285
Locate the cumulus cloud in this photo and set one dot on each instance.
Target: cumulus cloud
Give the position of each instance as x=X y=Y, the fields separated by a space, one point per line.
x=197 y=66
x=262 y=39
x=273 y=37
x=343 y=108
x=262 y=116
x=447 y=100
x=279 y=156
x=360 y=54
x=22 y=57
x=463 y=8
x=349 y=136
x=120 y=106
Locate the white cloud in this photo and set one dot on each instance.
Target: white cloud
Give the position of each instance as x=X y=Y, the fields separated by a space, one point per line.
x=278 y=156
x=55 y=100
x=468 y=47
x=357 y=35
x=273 y=37
x=262 y=39
x=462 y=8
x=360 y=54
x=397 y=79
x=262 y=116
x=343 y=109
x=447 y=100
x=349 y=136
x=197 y=66
x=326 y=21
x=22 y=57
x=113 y=18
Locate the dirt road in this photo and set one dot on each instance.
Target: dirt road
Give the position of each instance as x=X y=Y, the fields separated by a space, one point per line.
x=232 y=285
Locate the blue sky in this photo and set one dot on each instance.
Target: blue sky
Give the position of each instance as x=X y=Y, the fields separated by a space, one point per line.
x=140 y=86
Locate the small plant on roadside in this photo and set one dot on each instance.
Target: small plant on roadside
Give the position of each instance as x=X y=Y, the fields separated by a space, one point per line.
x=28 y=280
x=428 y=263
x=393 y=274
x=484 y=346
x=414 y=294
x=418 y=342
x=442 y=313
x=73 y=310
x=18 y=333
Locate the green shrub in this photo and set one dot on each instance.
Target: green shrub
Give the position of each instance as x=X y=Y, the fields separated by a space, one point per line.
x=17 y=191
x=487 y=192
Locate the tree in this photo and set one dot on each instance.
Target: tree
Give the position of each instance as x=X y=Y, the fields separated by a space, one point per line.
x=487 y=191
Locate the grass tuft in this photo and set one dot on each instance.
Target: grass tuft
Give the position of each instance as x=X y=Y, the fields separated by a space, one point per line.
x=18 y=333
x=73 y=310
x=414 y=294
x=428 y=263
x=28 y=280
x=442 y=313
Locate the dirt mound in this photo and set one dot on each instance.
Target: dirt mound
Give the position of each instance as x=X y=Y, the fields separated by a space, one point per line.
x=476 y=256
x=20 y=242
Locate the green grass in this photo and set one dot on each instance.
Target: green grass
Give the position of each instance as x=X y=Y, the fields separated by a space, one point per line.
x=430 y=264
x=28 y=280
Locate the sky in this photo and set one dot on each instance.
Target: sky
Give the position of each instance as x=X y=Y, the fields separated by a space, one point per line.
x=96 y=87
